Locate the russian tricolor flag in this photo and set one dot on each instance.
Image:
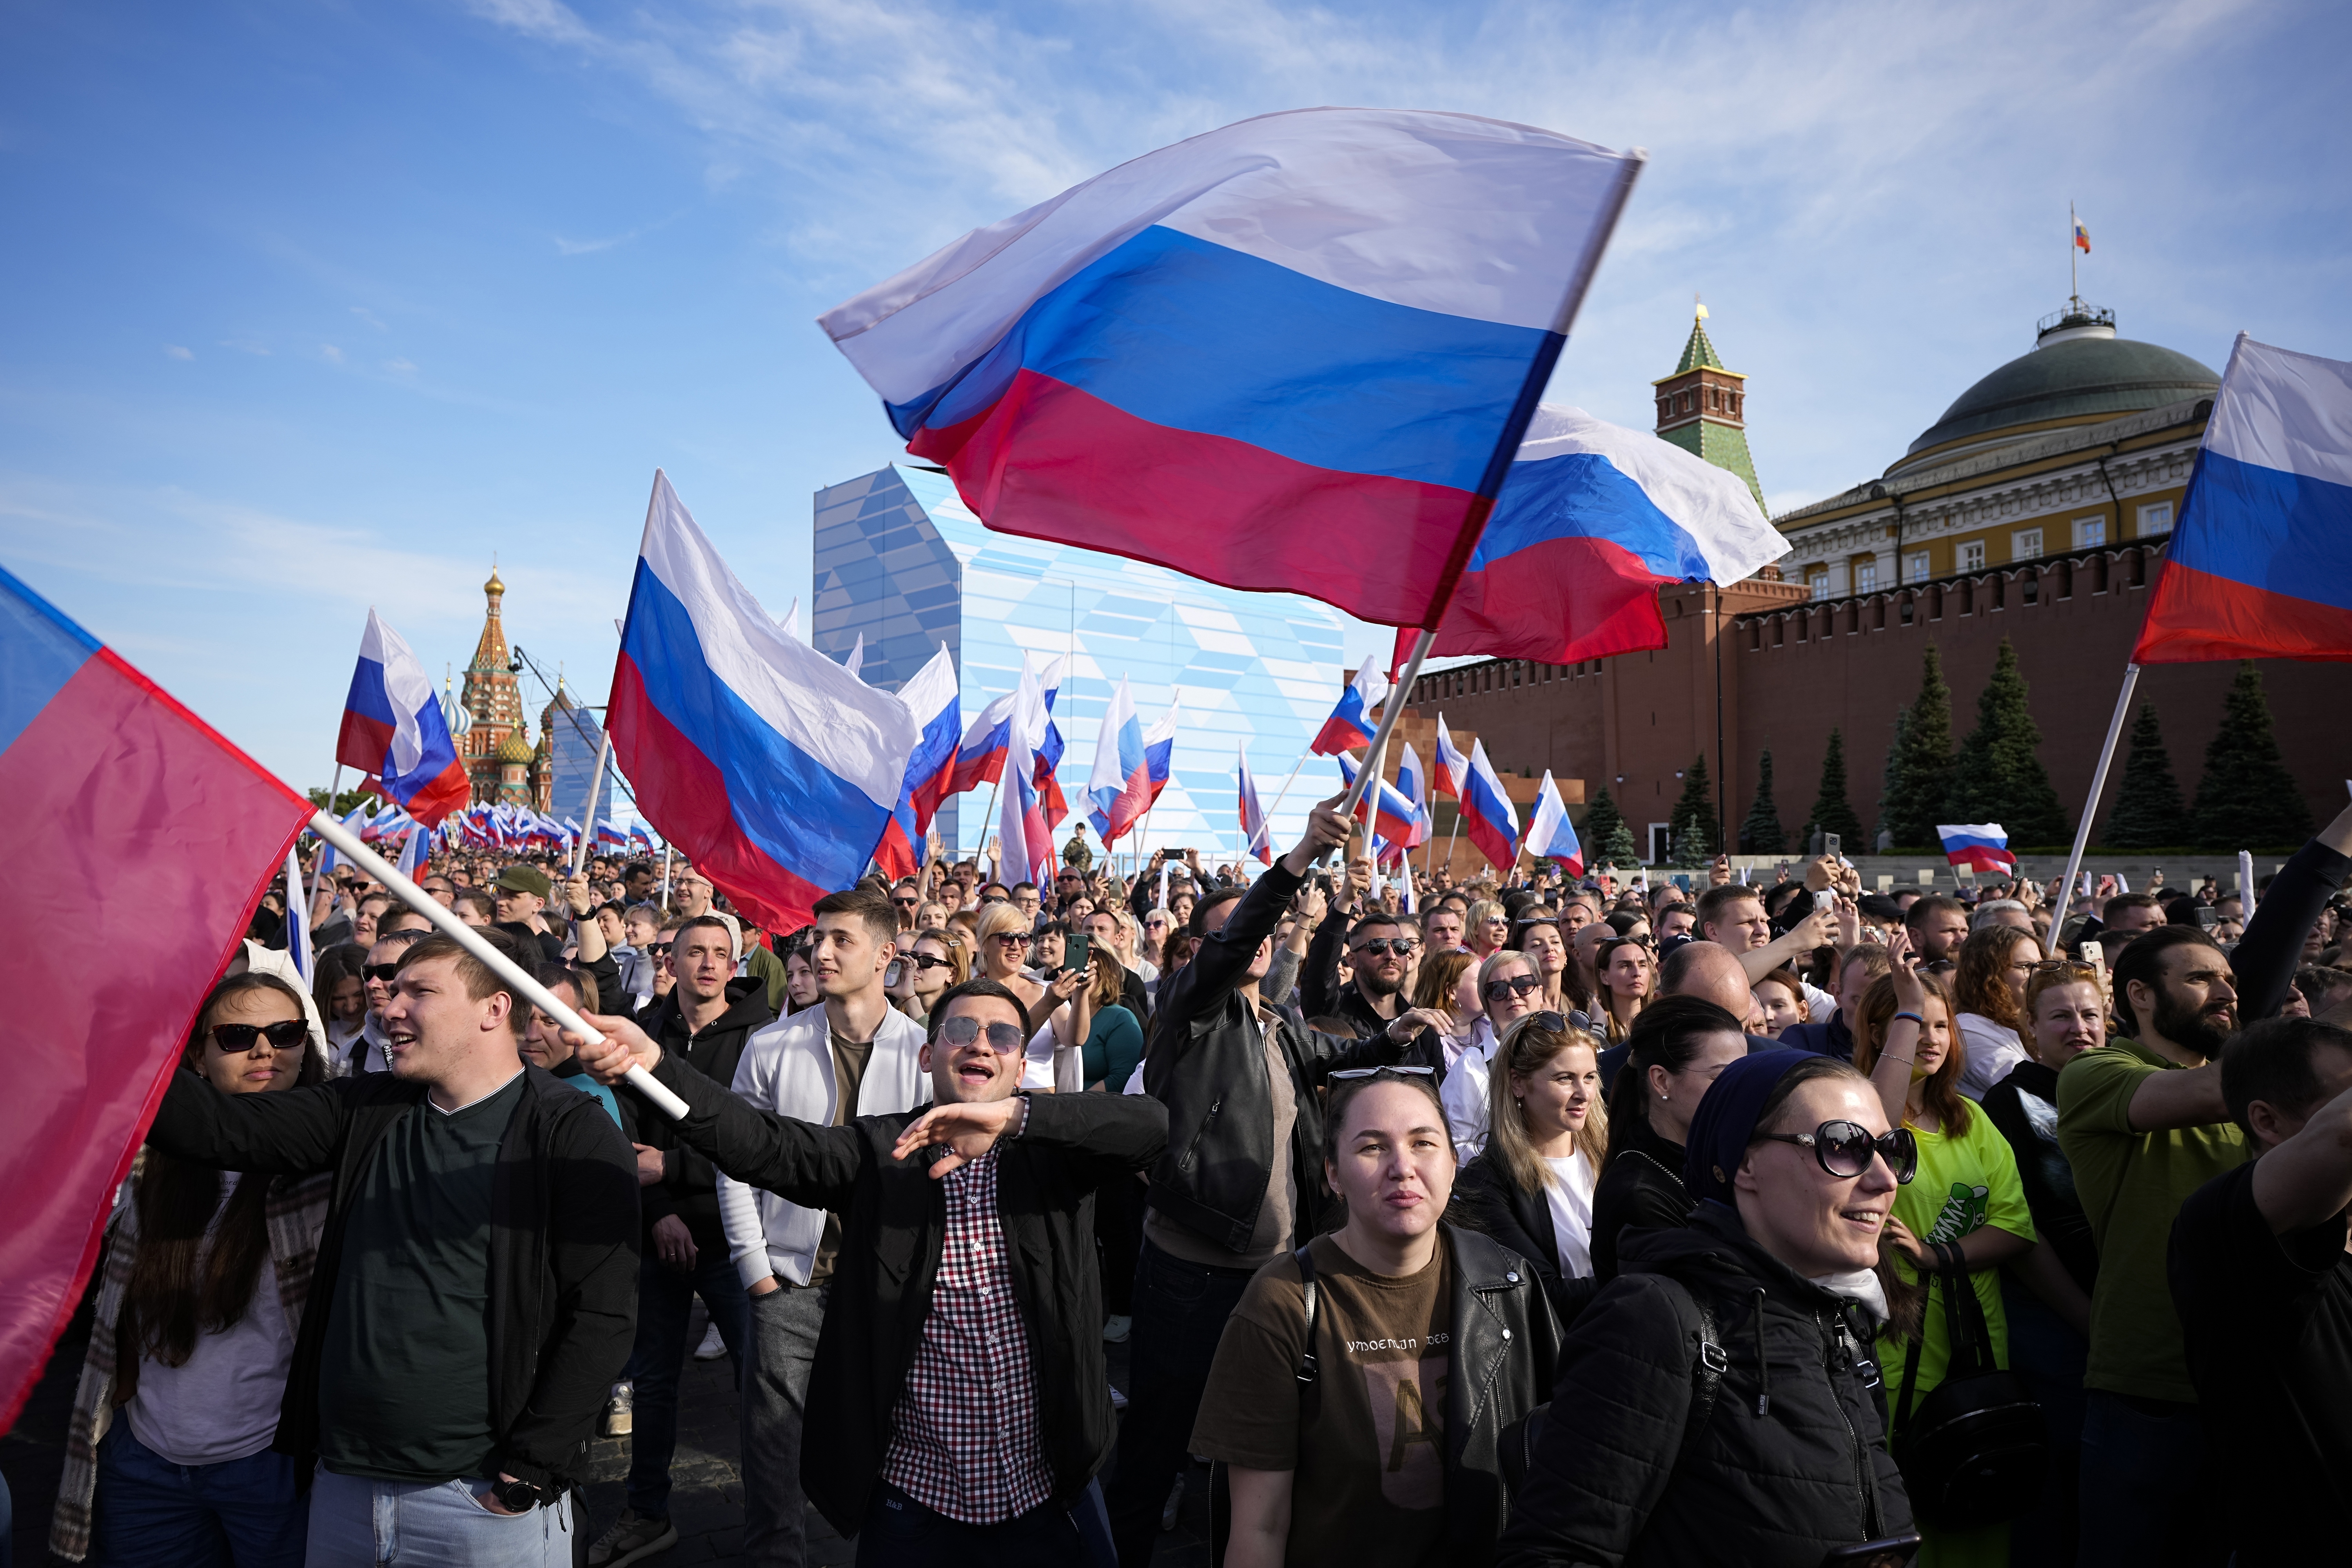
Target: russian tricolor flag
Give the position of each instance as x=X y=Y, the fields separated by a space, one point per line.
x=1414 y=780
x=1351 y=724
x=2261 y=563
x=1395 y=821
x=119 y=804
x=933 y=700
x=1160 y=747
x=1550 y=835
x=392 y=729
x=1593 y=519
x=1981 y=845
x=1119 y=786
x=1257 y=834
x=1232 y=354
x=1025 y=841
x=1453 y=774
x=1050 y=748
x=771 y=767
x=1487 y=814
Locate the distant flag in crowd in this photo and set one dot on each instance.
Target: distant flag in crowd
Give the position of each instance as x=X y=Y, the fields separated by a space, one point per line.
x=609 y=834
x=980 y=758
x=1979 y=846
x=1414 y=779
x=1453 y=775
x=933 y=702
x=1593 y=519
x=2260 y=564
x=1352 y=723
x=1396 y=822
x=1487 y=814
x=356 y=820
x=640 y=836
x=388 y=820
x=1550 y=835
x=120 y=803
x=1119 y=786
x=1050 y=747
x=1257 y=834
x=392 y=729
x=1026 y=843
x=768 y=766
x=297 y=922
x=1160 y=748
x=412 y=851
x=1232 y=353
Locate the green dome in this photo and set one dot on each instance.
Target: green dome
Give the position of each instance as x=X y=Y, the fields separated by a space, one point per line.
x=2080 y=378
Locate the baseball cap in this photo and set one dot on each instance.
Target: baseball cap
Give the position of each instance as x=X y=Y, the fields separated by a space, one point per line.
x=525 y=880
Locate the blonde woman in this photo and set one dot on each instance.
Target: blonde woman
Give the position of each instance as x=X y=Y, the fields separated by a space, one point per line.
x=1486 y=930
x=1531 y=1190
x=1005 y=939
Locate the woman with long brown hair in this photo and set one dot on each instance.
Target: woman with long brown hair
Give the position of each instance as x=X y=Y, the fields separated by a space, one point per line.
x=1532 y=1188
x=1988 y=993
x=202 y=1294
x=1627 y=973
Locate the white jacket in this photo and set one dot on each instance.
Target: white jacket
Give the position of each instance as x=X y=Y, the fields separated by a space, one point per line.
x=787 y=1068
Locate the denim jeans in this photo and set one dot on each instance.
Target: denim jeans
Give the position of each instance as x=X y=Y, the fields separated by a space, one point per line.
x=2148 y=1492
x=1180 y=1314
x=151 y=1513
x=664 y=1303
x=784 y=1324
x=359 y=1523
x=900 y=1532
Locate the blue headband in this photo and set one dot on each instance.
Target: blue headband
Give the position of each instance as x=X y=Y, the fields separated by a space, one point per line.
x=1724 y=1123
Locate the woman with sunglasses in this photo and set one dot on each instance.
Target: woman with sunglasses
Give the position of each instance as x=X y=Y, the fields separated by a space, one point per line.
x=1967 y=1205
x=1718 y=1401
x=1532 y=1188
x=200 y=1299
x=1373 y=1433
x=934 y=965
x=1626 y=972
x=1680 y=1045
x=1510 y=987
x=1005 y=939
x=1989 y=990
x=1486 y=929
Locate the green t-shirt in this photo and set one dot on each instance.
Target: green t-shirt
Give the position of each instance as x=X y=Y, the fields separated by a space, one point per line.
x=1114 y=1045
x=1966 y=1182
x=2132 y=1186
x=403 y=1374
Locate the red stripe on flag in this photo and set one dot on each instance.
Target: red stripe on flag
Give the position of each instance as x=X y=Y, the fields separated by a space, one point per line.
x=121 y=803
x=2196 y=616
x=363 y=742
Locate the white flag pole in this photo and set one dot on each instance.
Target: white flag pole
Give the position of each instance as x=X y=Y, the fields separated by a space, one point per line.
x=579 y=851
x=1391 y=709
x=1280 y=793
x=2099 y=780
x=665 y=893
x=347 y=843
x=318 y=872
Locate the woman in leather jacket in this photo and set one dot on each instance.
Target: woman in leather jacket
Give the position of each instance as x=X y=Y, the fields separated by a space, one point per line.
x=1678 y=1045
x=1374 y=1431
x=1717 y=1404
x=1531 y=1190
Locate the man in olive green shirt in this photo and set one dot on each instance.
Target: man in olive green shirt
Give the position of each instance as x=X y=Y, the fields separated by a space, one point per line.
x=2144 y=1125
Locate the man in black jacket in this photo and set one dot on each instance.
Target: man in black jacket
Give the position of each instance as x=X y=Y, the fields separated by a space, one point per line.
x=704 y=1021
x=1378 y=952
x=959 y=1376
x=476 y=1284
x=1241 y=1181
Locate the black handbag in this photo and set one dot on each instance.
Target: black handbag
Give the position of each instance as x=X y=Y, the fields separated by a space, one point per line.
x=1976 y=1449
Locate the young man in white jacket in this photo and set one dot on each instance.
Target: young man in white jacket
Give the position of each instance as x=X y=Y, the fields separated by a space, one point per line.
x=856 y=1056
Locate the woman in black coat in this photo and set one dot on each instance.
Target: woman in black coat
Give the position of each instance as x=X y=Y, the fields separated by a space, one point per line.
x=1678 y=1045
x=1716 y=1403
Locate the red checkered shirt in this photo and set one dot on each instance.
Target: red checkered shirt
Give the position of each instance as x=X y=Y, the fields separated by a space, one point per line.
x=963 y=1438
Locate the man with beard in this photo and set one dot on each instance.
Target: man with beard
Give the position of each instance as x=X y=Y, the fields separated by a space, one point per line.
x=2144 y=1125
x=1379 y=964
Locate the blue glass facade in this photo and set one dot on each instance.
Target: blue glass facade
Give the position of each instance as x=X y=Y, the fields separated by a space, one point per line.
x=901 y=560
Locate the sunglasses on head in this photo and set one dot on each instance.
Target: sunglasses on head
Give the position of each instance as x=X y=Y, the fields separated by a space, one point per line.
x=2065 y=966
x=240 y=1039
x=382 y=972
x=1005 y=1039
x=1514 y=985
x=1397 y=1070
x=1846 y=1148
x=1381 y=946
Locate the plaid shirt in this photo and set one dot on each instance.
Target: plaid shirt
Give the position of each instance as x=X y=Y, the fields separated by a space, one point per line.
x=963 y=1440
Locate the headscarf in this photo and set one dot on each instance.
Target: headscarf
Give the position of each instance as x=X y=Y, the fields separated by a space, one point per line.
x=1724 y=1123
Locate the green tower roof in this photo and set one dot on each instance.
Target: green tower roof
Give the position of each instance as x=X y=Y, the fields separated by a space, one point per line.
x=1698 y=352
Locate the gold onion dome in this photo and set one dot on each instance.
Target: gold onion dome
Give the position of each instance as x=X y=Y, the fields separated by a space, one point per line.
x=515 y=749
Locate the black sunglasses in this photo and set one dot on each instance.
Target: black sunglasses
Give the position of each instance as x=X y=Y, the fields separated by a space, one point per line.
x=242 y=1039
x=657 y=948
x=1516 y=986
x=1005 y=1039
x=1381 y=946
x=1846 y=1148
x=926 y=962
x=384 y=972
x=903 y=903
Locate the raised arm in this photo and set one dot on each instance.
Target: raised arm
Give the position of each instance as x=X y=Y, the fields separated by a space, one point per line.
x=2308 y=1178
x=1890 y=1073
x=2265 y=958
x=1816 y=929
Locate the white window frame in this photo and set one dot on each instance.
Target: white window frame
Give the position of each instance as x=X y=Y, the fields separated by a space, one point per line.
x=2025 y=544
x=1915 y=568
x=1865 y=575
x=1971 y=555
x=2155 y=518
x=2090 y=531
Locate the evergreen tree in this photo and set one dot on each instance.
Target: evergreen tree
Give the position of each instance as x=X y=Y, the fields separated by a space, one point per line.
x=1691 y=828
x=1884 y=832
x=1998 y=776
x=1607 y=840
x=1761 y=834
x=1920 y=768
x=2247 y=799
x=2149 y=813
x=1832 y=812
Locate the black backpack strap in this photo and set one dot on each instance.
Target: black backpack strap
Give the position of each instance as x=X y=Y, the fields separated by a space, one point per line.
x=1708 y=1363
x=1952 y=1275
x=1310 y=1298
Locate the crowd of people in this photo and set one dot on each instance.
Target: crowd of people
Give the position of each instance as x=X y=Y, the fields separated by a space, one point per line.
x=1525 y=1221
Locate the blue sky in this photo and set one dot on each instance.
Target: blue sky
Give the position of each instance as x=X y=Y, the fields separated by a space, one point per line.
x=309 y=306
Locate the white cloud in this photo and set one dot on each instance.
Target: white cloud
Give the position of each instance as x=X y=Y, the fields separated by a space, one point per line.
x=364 y=314
x=246 y=346
x=399 y=366
x=331 y=354
x=176 y=352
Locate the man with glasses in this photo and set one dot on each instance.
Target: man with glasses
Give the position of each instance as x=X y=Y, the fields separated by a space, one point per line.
x=1024 y=899
x=690 y=895
x=962 y=1395
x=1242 y=1181
x=906 y=897
x=1380 y=955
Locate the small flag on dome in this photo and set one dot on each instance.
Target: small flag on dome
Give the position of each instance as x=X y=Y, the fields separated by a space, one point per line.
x=2081 y=238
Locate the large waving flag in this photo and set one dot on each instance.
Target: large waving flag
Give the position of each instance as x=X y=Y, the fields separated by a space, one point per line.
x=120 y=803
x=2261 y=563
x=1351 y=724
x=1227 y=355
x=931 y=697
x=1550 y=835
x=980 y=757
x=1395 y=821
x=1592 y=519
x=1119 y=786
x=1025 y=844
x=1453 y=775
x=392 y=729
x=1979 y=846
x=771 y=767
x=1257 y=834
x=1487 y=814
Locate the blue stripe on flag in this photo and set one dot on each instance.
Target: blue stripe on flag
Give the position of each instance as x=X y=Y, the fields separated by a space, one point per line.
x=2268 y=529
x=1583 y=494
x=39 y=652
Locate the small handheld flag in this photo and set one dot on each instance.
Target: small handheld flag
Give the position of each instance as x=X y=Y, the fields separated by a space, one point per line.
x=1257 y=839
x=1550 y=835
x=1453 y=768
x=1487 y=814
x=393 y=730
x=1350 y=726
x=1979 y=846
x=1119 y=786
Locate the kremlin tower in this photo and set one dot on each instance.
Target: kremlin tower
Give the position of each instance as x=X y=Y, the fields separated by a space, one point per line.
x=496 y=750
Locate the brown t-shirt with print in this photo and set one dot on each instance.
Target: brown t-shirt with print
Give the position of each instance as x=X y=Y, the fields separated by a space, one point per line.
x=1367 y=1443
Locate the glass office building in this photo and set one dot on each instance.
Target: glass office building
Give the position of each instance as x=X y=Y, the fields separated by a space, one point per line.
x=902 y=561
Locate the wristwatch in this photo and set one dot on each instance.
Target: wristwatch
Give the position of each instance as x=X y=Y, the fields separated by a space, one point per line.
x=520 y=1497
